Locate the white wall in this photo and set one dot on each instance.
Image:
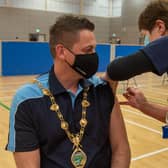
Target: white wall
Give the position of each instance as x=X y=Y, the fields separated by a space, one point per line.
x=2 y=2
x=100 y=8
x=65 y=6
x=96 y=8
x=29 y=4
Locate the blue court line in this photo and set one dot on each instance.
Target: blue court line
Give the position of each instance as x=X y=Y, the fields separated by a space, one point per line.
x=4 y=106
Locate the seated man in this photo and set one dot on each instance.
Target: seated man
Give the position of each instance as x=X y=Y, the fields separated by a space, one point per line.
x=68 y=117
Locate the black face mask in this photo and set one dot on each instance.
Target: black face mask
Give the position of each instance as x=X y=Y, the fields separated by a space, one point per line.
x=85 y=64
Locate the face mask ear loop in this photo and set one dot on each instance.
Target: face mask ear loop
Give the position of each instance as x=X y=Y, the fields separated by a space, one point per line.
x=68 y=63
x=71 y=53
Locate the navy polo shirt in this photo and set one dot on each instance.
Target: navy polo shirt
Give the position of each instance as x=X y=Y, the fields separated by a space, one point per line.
x=33 y=125
x=157 y=51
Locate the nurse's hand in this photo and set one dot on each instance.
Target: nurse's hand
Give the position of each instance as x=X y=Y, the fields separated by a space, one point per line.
x=113 y=84
x=135 y=98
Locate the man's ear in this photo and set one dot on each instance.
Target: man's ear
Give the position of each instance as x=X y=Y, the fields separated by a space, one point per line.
x=60 y=52
x=161 y=26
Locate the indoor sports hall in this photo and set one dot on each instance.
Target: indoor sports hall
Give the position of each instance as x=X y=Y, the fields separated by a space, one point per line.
x=25 y=54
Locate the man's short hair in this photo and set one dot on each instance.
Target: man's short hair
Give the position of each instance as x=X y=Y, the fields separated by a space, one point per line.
x=155 y=10
x=65 y=30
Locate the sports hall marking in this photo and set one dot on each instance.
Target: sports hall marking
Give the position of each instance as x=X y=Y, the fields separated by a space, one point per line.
x=4 y=106
x=149 y=154
x=138 y=114
x=142 y=126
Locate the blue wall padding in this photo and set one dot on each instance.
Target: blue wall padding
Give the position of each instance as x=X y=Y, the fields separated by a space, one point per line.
x=25 y=58
x=124 y=50
x=104 y=52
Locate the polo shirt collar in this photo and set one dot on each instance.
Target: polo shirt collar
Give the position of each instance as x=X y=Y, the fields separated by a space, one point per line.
x=56 y=87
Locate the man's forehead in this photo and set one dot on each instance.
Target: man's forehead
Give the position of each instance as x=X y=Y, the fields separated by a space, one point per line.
x=88 y=41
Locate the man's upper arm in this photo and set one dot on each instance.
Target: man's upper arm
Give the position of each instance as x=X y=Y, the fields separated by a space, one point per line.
x=22 y=132
x=117 y=125
x=27 y=159
x=118 y=139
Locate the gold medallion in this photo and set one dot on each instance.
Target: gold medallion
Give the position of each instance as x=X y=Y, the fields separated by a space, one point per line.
x=78 y=158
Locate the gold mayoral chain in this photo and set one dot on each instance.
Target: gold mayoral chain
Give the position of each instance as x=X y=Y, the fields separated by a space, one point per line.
x=78 y=157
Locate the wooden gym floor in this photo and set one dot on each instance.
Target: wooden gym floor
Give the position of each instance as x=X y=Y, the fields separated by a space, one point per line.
x=148 y=148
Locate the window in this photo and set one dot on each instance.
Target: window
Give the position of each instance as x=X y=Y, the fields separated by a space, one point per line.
x=116 y=8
